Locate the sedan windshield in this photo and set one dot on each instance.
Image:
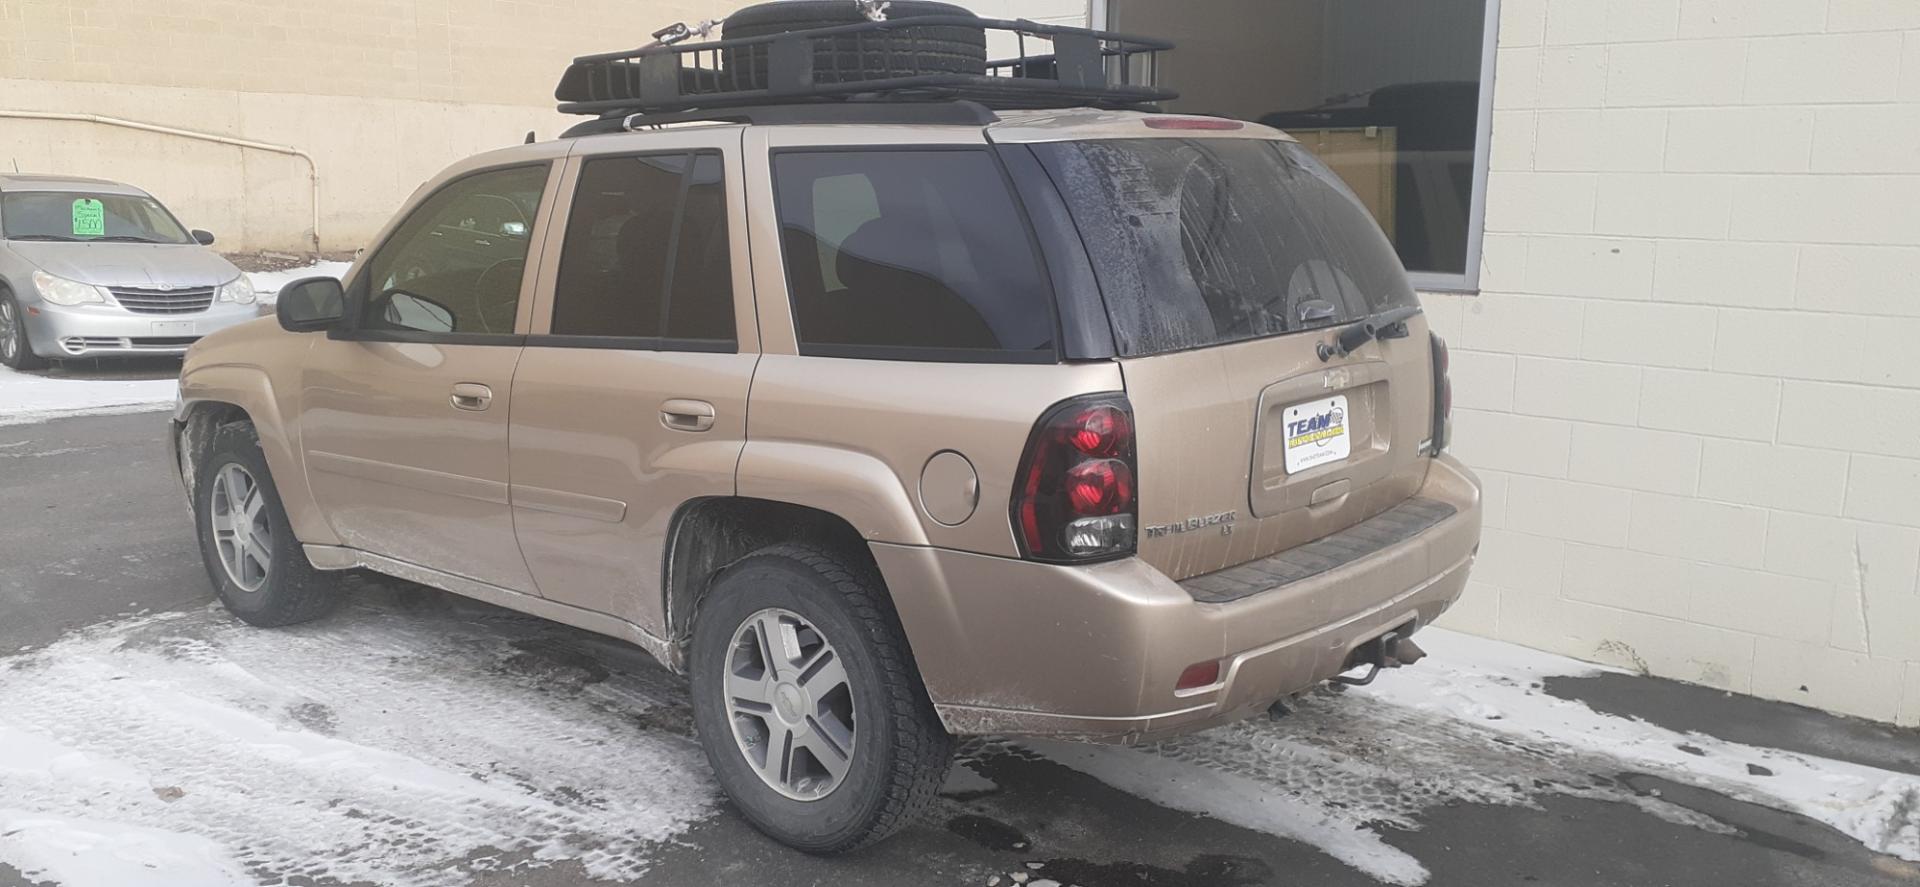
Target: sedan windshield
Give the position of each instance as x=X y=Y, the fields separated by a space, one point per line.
x=80 y=216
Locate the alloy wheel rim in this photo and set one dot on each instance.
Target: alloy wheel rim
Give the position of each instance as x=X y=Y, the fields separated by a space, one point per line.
x=790 y=702
x=8 y=345
x=238 y=517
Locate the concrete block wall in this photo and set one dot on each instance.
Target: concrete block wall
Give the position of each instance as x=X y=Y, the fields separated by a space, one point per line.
x=1691 y=379
x=383 y=93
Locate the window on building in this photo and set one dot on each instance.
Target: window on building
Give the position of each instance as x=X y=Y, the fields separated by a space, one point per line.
x=910 y=250
x=646 y=251
x=1389 y=94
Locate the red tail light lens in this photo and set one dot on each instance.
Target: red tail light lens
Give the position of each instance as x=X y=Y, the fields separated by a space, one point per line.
x=1442 y=396
x=1199 y=674
x=1101 y=430
x=1103 y=487
x=1076 y=496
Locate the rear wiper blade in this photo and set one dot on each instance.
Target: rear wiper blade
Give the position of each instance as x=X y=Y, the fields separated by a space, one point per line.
x=1388 y=324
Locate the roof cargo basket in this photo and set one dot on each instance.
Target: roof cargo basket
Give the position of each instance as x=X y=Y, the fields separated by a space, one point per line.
x=888 y=60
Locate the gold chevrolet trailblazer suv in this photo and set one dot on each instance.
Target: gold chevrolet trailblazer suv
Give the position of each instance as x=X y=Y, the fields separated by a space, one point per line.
x=890 y=393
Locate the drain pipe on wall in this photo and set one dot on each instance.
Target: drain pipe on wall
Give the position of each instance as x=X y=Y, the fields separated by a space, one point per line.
x=313 y=169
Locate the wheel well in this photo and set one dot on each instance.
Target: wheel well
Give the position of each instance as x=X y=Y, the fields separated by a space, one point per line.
x=708 y=535
x=196 y=433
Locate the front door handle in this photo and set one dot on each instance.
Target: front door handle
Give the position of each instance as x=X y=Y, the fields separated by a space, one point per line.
x=471 y=396
x=686 y=415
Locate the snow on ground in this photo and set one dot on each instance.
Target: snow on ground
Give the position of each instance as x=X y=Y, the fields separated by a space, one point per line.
x=415 y=743
x=33 y=397
x=268 y=283
x=394 y=748
x=1470 y=724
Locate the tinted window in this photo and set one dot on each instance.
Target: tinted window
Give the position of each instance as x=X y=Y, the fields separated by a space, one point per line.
x=646 y=251
x=455 y=264
x=70 y=215
x=910 y=249
x=1386 y=92
x=1200 y=242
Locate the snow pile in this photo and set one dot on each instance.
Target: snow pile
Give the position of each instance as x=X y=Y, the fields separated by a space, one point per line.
x=31 y=397
x=268 y=283
x=389 y=747
x=90 y=853
x=1469 y=676
x=1470 y=725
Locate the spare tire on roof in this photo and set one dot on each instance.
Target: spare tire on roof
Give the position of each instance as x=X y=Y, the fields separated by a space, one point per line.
x=906 y=52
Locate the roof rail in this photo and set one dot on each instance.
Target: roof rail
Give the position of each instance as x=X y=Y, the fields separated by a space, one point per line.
x=926 y=113
x=1086 y=67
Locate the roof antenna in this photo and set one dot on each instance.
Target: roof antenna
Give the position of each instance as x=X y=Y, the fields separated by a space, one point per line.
x=530 y=138
x=874 y=10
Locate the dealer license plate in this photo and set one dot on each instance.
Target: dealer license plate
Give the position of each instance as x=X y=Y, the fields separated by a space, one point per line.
x=1316 y=433
x=173 y=327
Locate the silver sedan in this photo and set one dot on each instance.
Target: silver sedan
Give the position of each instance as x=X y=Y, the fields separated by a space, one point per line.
x=91 y=268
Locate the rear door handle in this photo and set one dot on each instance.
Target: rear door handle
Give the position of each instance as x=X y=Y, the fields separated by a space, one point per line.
x=471 y=396
x=680 y=414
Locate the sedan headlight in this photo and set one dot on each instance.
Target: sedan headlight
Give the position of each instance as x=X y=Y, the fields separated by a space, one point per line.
x=61 y=291
x=239 y=290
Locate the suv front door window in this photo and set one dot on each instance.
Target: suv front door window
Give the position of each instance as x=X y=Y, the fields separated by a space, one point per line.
x=456 y=264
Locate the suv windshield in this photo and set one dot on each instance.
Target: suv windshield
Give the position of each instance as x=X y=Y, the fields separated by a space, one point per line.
x=80 y=216
x=1200 y=242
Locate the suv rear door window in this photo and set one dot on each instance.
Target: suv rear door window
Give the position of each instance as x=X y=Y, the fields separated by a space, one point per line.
x=910 y=253
x=646 y=251
x=1200 y=242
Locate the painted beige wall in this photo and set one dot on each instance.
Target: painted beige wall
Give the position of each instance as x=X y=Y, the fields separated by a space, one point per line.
x=383 y=93
x=1692 y=378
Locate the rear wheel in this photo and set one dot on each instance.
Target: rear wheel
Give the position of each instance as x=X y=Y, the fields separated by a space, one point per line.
x=257 y=566
x=15 y=351
x=808 y=704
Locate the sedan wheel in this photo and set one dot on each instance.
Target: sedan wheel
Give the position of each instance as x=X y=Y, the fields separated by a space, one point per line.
x=9 y=338
x=791 y=704
x=14 y=349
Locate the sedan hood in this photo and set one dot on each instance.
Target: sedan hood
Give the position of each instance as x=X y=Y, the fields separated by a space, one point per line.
x=144 y=265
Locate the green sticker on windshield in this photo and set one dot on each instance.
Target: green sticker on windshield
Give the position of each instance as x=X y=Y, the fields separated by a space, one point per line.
x=89 y=218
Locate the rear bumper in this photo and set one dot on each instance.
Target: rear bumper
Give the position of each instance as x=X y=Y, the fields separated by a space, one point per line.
x=111 y=331
x=1015 y=647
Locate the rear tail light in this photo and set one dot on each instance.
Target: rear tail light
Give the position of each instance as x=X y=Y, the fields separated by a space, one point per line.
x=1442 y=396
x=1075 y=500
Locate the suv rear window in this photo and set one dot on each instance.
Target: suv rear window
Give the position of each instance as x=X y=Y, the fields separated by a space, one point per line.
x=918 y=254
x=1200 y=242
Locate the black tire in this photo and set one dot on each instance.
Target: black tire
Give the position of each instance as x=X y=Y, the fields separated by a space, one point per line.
x=942 y=49
x=17 y=351
x=900 y=751
x=293 y=591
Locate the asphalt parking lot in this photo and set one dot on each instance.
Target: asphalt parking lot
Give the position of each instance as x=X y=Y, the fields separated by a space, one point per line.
x=98 y=570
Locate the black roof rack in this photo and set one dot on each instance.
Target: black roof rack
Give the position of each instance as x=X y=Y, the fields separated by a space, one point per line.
x=756 y=74
x=958 y=112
